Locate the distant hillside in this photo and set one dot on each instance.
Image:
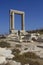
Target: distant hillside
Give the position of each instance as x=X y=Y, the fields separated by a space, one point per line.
x=36 y=31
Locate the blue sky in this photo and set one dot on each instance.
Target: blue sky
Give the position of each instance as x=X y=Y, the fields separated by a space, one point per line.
x=33 y=14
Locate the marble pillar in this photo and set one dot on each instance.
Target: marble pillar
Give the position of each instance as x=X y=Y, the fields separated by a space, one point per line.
x=22 y=22
x=11 y=22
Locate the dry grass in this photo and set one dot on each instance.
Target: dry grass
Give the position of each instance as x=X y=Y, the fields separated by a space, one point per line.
x=18 y=45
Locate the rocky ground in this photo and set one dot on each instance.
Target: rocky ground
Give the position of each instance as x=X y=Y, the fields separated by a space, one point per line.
x=21 y=53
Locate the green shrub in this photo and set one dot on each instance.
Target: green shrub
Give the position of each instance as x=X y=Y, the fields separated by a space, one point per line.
x=34 y=63
x=4 y=44
x=15 y=51
x=25 y=48
x=30 y=55
x=17 y=45
x=25 y=58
